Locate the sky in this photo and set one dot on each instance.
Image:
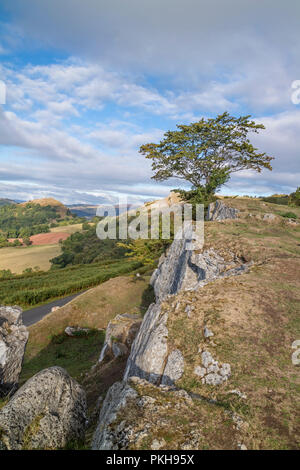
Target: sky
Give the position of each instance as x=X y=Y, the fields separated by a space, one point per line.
x=88 y=82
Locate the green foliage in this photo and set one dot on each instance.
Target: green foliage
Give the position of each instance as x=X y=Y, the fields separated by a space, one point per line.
x=27 y=241
x=205 y=153
x=32 y=288
x=144 y=251
x=23 y=221
x=289 y=215
x=294 y=198
x=281 y=199
x=5 y=274
x=85 y=248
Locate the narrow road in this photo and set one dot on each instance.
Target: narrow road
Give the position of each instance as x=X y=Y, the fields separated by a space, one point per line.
x=37 y=313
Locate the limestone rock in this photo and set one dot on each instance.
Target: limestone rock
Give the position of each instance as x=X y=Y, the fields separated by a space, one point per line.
x=206 y=358
x=207 y=332
x=219 y=211
x=76 y=331
x=47 y=412
x=118 y=426
x=150 y=350
x=200 y=371
x=121 y=330
x=185 y=269
x=158 y=444
x=269 y=217
x=174 y=368
x=116 y=399
x=119 y=349
x=13 y=339
x=212 y=373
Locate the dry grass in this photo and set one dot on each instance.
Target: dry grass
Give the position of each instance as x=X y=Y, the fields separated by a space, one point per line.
x=93 y=309
x=19 y=258
x=67 y=228
x=255 y=319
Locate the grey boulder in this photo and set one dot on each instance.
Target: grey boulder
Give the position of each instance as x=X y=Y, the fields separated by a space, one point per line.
x=13 y=339
x=219 y=211
x=47 y=412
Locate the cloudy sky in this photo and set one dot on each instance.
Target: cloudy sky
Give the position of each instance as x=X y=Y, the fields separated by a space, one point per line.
x=88 y=82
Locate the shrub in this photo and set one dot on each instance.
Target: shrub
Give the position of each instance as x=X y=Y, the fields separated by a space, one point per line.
x=289 y=215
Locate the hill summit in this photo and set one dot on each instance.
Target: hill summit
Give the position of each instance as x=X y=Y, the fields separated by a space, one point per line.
x=49 y=201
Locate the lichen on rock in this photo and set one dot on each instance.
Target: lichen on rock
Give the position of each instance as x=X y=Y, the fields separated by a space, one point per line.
x=47 y=412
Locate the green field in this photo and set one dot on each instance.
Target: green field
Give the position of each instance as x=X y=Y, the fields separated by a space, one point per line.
x=19 y=258
x=35 y=288
x=67 y=228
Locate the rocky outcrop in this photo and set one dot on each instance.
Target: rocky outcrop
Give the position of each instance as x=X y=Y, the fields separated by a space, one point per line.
x=46 y=413
x=180 y=269
x=116 y=399
x=119 y=335
x=131 y=399
x=211 y=372
x=149 y=351
x=74 y=331
x=183 y=269
x=219 y=211
x=150 y=359
x=13 y=339
x=269 y=217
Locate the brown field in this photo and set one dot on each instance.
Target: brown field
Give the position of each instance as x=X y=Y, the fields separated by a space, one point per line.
x=45 y=238
x=49 y=238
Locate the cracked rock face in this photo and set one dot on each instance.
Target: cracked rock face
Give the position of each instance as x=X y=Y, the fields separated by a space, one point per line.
x=116 y=399
x=13 y=339
x=47 y=412
x=149 y=351
x=119 y=335
x=219 y=211
x=180 y=269
x=174 y=368
x=117 y=427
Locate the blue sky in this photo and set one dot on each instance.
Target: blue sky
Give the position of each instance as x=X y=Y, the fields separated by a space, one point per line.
x=88 y=82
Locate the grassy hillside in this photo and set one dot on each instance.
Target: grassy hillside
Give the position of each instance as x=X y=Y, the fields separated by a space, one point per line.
x=255 y=318
x=30 y=218
x=92 y=309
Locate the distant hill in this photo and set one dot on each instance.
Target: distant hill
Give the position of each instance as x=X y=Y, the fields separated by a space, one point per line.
x=49 y=201
x=30 y=218
x=89 y=211
x=5 y=202
x=83 y=210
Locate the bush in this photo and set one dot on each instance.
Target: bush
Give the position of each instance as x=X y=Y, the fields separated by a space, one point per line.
x=294 y=198
x=289 y=215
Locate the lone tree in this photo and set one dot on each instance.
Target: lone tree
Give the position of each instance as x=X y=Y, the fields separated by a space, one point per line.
x=205 y=153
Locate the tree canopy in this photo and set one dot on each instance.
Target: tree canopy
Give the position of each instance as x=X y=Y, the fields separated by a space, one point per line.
x=205 y=153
